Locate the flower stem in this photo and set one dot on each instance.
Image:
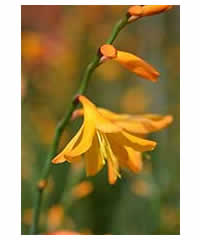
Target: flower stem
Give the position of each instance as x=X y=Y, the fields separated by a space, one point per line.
x=62 y=124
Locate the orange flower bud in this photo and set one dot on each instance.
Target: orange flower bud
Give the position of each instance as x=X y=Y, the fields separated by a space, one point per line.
x=42 y=184
x=130 y=62
x=108 y=51
x=137 y=11
x=137 y=65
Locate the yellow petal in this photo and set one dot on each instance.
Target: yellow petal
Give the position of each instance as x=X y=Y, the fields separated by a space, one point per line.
x=145 y=124
x=106 y=114
x=61 y=157
x=127 y=156
x=137 y=143
x=138 y=124
x=94 y=159
x=85 y=140
x=81 y=142
x=137 y=65
x=112 y=175
x=111 y=115
x=110 y=156
x=92 y=115
x=134 y=162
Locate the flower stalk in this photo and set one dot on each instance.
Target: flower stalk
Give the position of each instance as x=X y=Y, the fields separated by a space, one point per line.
x=63 y=123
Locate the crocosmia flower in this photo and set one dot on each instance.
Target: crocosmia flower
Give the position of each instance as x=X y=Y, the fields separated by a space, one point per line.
x=129 y=61
x=101 y=140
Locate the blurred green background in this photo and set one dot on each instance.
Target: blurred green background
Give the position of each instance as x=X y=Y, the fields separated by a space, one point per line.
x=57 y=44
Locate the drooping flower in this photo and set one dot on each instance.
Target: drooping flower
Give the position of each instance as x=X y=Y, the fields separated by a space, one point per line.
x=129 y=61
x=138 y=11
x=101 y=140
x=139 y=125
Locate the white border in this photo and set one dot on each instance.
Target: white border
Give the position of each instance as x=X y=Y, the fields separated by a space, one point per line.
x=98 y=2
x=10 y=118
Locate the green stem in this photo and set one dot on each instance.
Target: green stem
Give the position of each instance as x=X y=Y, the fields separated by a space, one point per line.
x=117 y=28
x=62 y=124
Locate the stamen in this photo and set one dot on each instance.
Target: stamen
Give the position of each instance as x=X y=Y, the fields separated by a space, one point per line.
x=107 y=152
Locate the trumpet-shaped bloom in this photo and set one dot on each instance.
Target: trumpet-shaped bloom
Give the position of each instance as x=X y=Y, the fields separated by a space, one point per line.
x=139 y=125
x=130 y=61
x=101 y=140
x=137 y=11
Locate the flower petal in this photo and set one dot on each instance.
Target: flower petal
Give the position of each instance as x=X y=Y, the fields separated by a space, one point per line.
x=111 y=115
x=137 y=65
x=137 y=143
x=94 y=159
x=127 y=156
x=92 y=115
x=112 y=175
x=108 y=154
x=138 y=124
x=85 y=140
x=61 y=157
x=145 y=124
x=134 y=162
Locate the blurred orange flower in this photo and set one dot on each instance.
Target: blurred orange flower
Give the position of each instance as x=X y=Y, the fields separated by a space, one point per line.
x=82 y=189
x=32 y=48
x=137 y=11
x=55 y=216
x=135 y=100
x=129 y=61
x=64 y=232
x=100 y=139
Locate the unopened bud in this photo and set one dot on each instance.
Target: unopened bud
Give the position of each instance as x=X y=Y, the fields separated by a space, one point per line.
x=42 y=184
x=138 y=11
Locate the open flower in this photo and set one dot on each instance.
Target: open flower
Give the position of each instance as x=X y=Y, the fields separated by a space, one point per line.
x=139 y=125
x=101 y=140
x=137 y=11
x=129 y=61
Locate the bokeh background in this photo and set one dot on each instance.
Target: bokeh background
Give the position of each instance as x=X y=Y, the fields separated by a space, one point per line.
x=57 y=44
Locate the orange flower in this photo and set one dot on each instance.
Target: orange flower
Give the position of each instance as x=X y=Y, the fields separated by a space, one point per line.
x=82 y=189
x=101 y=140
x=129 y=61
x=32 y=48
x=137 y=11
x=139 y=125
